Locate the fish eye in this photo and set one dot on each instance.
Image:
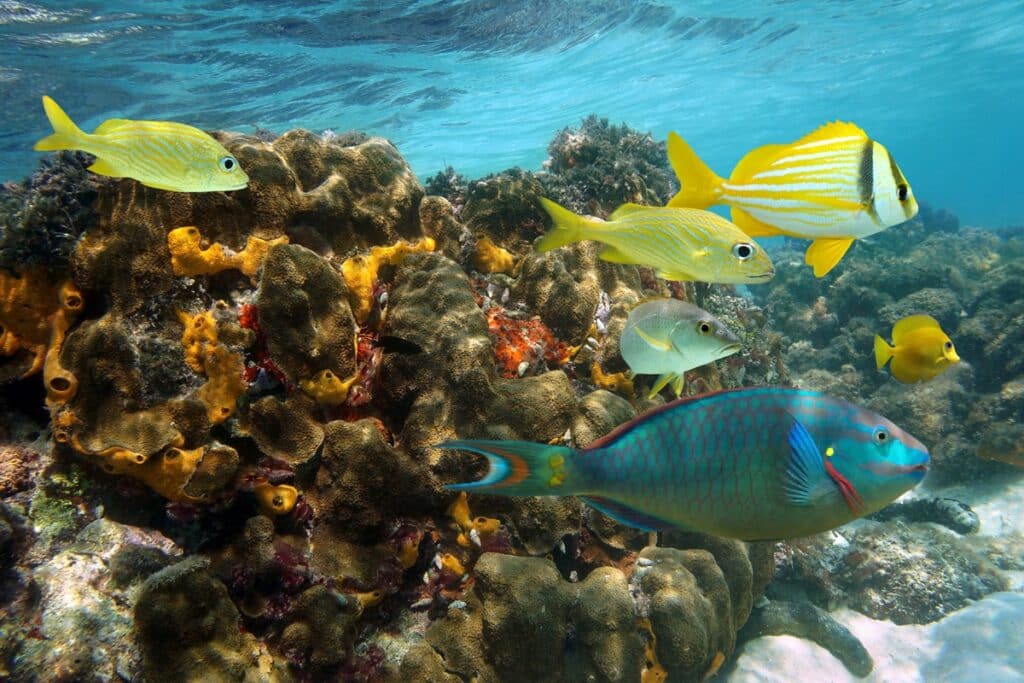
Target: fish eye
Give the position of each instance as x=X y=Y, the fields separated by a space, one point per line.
x=881 y=436
x=902 y=192
x=704 y=327
x=228 y=164
x=742 y=250
x=948 y=346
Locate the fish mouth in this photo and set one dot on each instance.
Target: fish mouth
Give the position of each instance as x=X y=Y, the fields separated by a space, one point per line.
x=763 y=276
x=729 y=349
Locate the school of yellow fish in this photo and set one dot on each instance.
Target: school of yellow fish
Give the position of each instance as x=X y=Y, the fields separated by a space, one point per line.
x=832 y=186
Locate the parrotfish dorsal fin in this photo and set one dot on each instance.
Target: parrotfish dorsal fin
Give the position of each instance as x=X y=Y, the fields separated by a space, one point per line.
x=626 y=209
x=625 y=514
x=911 y=323
x=755 y=160
x=831 y=130
x=109 y=125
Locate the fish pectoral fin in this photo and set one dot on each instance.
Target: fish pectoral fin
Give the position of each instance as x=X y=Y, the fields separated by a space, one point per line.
x=825 y=252
x=656 y=343
x=613 y=255
x=752 y=226
x=626 y=515
x=101 y=167
x=805 y=479
x=661 y=383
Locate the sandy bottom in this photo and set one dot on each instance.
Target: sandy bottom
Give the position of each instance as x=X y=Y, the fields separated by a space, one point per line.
x=982 y=643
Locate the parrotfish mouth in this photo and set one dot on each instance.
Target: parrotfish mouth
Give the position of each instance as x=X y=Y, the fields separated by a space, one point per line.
x=883 y=469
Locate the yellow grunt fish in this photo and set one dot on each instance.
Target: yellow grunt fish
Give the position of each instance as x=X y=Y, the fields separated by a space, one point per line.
x=161 y=154
x=832 y=186
x=920 y=350
x=680 y=244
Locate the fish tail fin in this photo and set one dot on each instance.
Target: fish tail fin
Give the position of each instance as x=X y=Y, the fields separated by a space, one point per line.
x=521 y=468
x=883 y=352
x=568 y=226
x=66 y=135
x=699 y=186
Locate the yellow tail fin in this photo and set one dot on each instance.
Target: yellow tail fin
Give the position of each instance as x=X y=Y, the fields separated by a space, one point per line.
x=883 y=352
x=699 y=186
x=568 y=227
x=66 y=135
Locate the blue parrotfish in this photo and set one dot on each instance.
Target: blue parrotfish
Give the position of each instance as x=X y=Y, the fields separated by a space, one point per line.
x=832 y=186
x=161 y=154
x=680 y=244
x=754 y=464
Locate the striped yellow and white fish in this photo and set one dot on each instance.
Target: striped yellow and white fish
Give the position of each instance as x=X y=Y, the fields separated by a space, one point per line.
x=832 y=186
x=161 y=154
x=680 y=244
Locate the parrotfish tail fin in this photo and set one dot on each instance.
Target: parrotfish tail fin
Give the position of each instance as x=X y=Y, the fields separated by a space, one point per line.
x=825 y=252
x=883 y=352
x=568 y=227
x=521 y=468
x=66 y=135
x=699 y=186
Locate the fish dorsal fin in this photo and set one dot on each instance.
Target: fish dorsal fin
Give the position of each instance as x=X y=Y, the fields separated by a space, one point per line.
x=752 y=226
x=755 y=160
x=911 y=323
x=110 y=125
x=805 y=478
x=626 y=209
x=832 y=130
x=625 y=514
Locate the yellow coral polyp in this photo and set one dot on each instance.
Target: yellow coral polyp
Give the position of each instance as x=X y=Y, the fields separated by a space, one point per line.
x=35 y=315
x=275 y=500
x=473 y=530
x=618 y=382
x=653 y=671
x=189 y=258
x=452 y=565
x=368 y=598
x=327 y=388
x=360 y=272
x=490 y=258
x=200 y=330
x=224 y=383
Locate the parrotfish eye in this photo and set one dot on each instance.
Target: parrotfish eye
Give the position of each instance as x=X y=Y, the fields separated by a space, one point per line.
x=881 y=436
x=704 y=327
x=902 y=192
x=228 y=164
x=742 y=250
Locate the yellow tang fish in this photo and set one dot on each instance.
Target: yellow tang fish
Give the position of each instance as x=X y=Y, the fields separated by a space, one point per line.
x=832 y=186
x=160 y=154
x=680 y=244
x=920 y=350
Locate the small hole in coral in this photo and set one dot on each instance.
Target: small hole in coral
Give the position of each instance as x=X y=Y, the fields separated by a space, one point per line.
x=481 y=520
x=61 y=437
x=328 y=375
x=73 y=301
x=225 y=411
x=277 y=501
x=171 y=454
x=60 y=384
x=193 y=231
x=139 y=458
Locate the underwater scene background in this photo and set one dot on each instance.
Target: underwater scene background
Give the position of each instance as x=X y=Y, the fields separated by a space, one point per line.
x=219 y=410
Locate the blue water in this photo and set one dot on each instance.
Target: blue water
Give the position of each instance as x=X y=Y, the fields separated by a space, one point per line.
x=484 y=84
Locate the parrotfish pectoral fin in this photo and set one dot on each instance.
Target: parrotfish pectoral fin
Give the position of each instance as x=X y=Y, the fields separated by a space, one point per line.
x=521 y=468
x=625 y=514
x=825 y=252
x=568 y=227
x=66 y=135
x=699 y=186
x=805 y=479
x=752 y=226
x=883 y=352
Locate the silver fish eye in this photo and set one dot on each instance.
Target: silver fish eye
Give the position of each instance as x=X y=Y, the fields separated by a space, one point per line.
x=704 y=327
x=880 y=436
x=228 y=163
x=743 y=250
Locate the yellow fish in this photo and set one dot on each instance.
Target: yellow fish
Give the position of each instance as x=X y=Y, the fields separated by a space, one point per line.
x=680 y=244
x=832 y=186
x=160 y=154
x=920 y=350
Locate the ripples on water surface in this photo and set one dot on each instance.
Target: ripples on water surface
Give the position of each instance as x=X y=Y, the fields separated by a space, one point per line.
x=483 y=85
